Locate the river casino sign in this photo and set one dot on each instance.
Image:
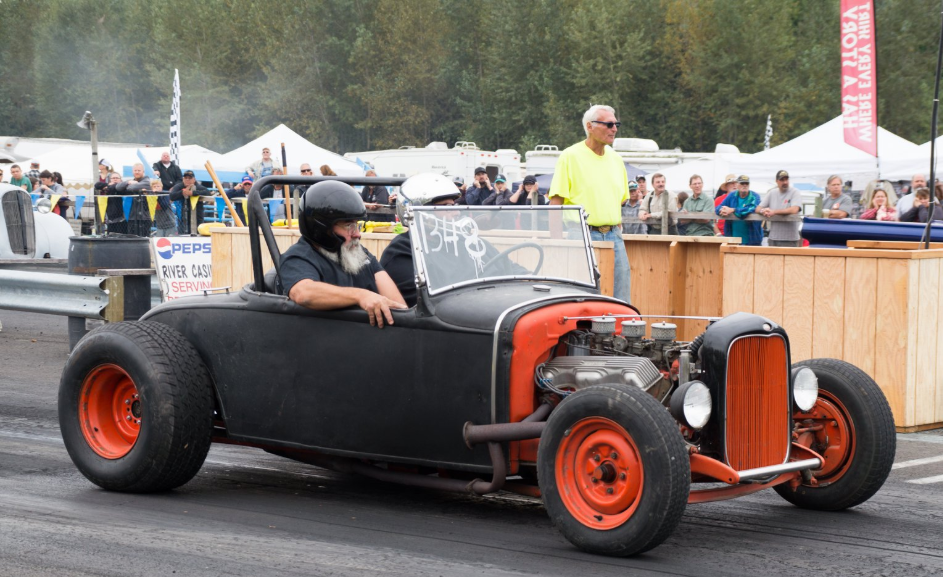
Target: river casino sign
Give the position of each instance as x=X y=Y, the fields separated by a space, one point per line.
x=184 y=265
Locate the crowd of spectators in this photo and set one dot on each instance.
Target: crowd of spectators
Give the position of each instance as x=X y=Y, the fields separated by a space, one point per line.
x=773 y=217
x=656 y=211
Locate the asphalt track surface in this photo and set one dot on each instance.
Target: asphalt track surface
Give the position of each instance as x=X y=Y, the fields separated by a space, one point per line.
x=250 y=513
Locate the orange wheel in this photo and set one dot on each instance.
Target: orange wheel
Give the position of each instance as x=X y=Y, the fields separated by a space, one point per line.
x=136 y=407
x=613 y=470
x=835 y=441
x=853 y=430
x=110 y=411
x=599 y=472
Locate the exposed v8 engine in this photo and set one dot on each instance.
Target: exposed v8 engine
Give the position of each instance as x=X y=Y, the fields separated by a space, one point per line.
x=598 y=355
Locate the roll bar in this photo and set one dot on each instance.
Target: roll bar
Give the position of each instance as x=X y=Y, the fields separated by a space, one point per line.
x=259 y=220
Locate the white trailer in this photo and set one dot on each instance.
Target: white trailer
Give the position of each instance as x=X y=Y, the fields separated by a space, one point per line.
x=641 y=153
x=437 y=157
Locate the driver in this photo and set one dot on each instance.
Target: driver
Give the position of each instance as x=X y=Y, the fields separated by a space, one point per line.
x=328 y=268
x=397 y=259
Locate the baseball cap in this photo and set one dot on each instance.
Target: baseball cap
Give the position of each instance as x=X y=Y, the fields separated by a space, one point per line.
x=34 y=165
x=479 y=170
x=245 y=178
x=104 y=162
x=500 y=178
x=640 y=178
x=189 y=173
x=743 y=179
x=633 y=185
x=459 y=181
x=530 y=179
x=781 y=175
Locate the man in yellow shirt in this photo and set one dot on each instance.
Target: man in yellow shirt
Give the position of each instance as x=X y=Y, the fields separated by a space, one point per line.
x=591 y=174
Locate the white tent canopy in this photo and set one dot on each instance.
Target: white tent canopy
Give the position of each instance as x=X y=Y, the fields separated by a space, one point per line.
x=74 y=163
x=919 y=163
x=822 y=152
x=297 y=148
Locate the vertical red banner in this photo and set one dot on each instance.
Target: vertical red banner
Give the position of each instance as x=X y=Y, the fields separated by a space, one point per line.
x=859 y=75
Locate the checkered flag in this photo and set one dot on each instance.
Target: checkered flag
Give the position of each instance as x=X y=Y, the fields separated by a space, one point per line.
x=769 y=131
x=175 y=121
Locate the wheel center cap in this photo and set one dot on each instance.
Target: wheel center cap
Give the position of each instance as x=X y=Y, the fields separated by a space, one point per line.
x=605 y=472
x=136 y=409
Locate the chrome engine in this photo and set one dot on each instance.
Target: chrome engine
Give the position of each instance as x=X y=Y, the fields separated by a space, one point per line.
x=598 y=355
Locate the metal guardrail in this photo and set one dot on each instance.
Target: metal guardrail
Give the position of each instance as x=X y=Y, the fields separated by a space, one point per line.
x=55 y=294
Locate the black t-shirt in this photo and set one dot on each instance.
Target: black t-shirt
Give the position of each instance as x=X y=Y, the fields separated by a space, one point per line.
x=301 y=262
x=397 y=261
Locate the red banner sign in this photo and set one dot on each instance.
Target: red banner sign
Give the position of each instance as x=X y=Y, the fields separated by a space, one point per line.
x=858 y=75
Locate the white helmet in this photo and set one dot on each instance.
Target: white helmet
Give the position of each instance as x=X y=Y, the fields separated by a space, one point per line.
x=425 y=188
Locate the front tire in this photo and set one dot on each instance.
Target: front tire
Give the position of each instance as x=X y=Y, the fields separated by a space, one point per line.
x=136 y=407
x=857 y=438
x=613 y=470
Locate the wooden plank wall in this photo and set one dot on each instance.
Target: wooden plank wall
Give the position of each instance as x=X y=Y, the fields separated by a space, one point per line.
x=678 y=276
x=232 y=259
x=881 y=312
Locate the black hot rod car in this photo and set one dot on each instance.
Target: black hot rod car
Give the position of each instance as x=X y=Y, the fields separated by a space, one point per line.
x=520 y=378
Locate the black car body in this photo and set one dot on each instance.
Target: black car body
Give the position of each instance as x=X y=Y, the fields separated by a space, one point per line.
x=532 y=379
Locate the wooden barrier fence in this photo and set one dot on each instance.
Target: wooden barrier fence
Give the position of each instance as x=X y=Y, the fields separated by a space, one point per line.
x=881 y=310
x=232 y=259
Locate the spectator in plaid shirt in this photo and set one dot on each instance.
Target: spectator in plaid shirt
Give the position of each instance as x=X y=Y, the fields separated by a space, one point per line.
x=33 y=170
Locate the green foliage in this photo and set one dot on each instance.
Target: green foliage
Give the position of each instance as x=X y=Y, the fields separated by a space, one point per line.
x=363 y=74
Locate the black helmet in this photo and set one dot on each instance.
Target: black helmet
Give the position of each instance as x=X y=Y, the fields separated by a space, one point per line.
x=324 y=204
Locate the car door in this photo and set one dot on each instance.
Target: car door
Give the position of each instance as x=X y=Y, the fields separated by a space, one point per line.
x=327 y=380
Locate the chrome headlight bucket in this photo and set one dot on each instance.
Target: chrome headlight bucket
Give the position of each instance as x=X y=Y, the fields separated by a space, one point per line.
x=691 y=404
x=805 y=388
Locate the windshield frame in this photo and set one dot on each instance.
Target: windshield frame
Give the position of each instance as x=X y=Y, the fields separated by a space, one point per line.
x=419 y=261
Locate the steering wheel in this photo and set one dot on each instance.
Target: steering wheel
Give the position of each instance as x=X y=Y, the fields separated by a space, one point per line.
x=504 y=255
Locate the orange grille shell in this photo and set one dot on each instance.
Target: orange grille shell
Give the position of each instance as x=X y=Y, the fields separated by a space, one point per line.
x=757 y=412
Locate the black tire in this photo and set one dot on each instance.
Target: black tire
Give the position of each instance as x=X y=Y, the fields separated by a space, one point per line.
x=868 y=463
x=173 y=423
x=665 y=471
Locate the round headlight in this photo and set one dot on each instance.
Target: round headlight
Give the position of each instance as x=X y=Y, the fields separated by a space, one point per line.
x=43 y=205
x=805 y=388
x=691 y=404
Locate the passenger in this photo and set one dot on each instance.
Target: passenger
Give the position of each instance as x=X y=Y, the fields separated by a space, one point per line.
x=397 y=258
x=328 y=268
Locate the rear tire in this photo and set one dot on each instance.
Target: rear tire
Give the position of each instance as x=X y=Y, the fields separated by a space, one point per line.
x=858 y=440
x=136 y=407
x=613 y=470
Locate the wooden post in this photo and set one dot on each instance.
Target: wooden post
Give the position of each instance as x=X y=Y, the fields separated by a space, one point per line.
x=286 y=193
x=114 y=312
x=232 y=209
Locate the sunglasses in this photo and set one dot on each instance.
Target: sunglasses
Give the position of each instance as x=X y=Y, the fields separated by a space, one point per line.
x=608 y=125
x=306 y=171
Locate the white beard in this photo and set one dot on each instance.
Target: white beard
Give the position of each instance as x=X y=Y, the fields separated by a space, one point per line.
x=352 y=256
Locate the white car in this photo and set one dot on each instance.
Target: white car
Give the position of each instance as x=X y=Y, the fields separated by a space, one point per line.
x=27 y=233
